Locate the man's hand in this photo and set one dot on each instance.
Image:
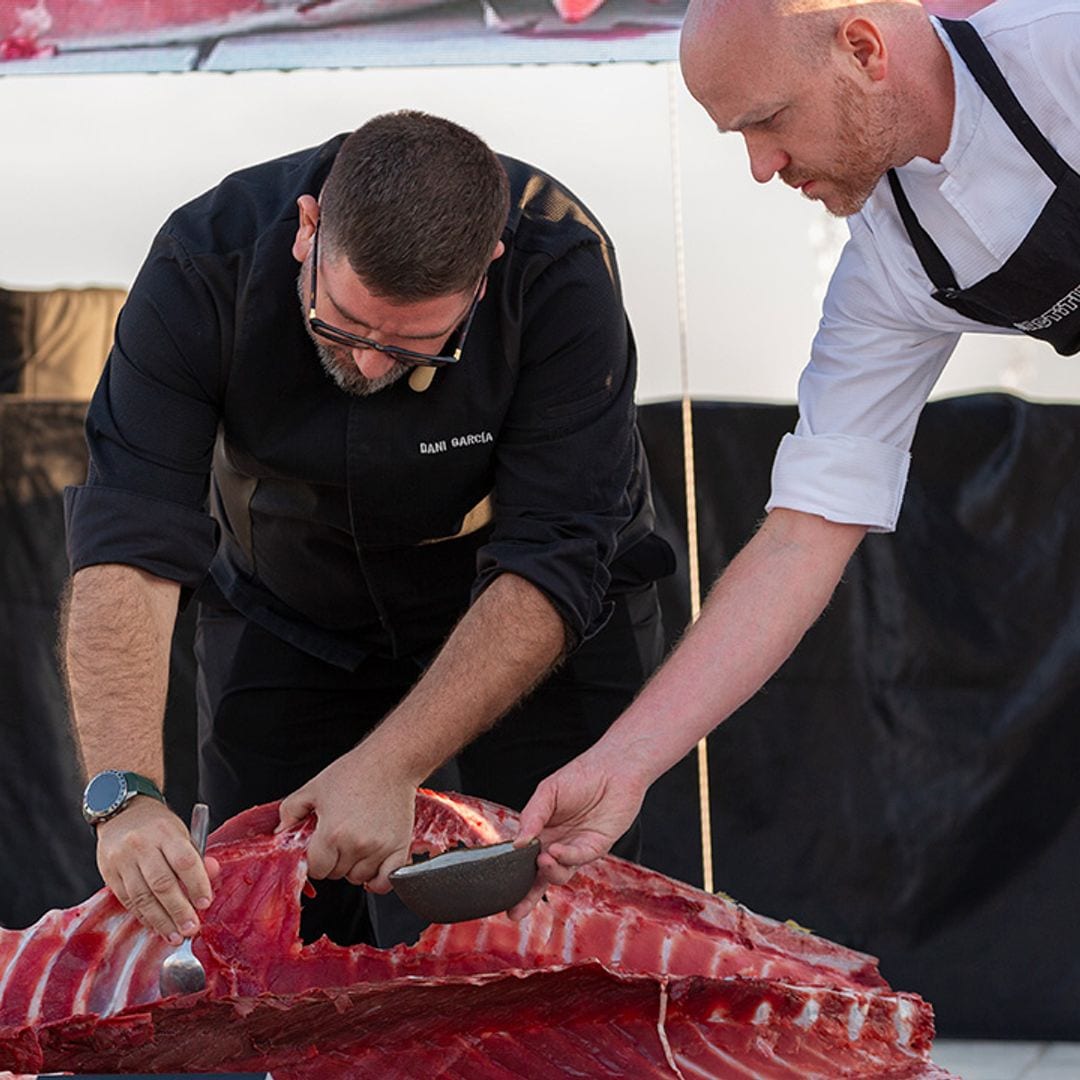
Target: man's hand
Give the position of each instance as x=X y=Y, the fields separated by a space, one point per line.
x=365 y=813
x=772 y=591
x=578 y=813
x=365 y=801
x=146 y=857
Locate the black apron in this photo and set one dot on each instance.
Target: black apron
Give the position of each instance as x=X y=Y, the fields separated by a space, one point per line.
x=1038 y=289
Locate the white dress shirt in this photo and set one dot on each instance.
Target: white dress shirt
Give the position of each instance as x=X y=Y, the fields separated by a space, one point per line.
x=883 y=340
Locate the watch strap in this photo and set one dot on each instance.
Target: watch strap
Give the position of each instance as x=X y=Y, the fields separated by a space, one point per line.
x=142 y=785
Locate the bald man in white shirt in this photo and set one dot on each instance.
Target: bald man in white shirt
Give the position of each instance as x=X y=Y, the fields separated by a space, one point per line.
x=953 y=149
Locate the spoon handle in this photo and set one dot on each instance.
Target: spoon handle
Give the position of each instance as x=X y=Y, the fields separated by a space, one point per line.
x=200 y=826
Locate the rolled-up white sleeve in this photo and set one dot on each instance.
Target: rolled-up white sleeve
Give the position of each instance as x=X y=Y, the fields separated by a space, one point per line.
x=842 y=478
x=874 y=361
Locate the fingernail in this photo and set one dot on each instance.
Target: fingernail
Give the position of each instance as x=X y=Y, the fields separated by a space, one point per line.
x=175 y=939
x=202 y=903
x=189 y=927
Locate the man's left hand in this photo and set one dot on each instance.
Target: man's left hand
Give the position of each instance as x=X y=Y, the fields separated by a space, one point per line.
x=364 y=820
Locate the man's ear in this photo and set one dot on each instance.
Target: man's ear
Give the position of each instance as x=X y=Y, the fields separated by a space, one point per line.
x=308 y=206
x=500 y=249
x=862 y=40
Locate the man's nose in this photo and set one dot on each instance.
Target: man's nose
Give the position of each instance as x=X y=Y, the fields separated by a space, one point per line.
x=766 y=159
x=372 y=363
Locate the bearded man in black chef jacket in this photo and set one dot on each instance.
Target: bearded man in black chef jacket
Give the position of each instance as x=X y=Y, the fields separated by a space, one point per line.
x=371 y=404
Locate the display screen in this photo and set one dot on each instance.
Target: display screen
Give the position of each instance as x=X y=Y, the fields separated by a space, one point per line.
x=104 y=791
x=233 y=35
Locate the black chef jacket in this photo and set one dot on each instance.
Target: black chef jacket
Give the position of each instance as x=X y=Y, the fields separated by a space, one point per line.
x=342 y=523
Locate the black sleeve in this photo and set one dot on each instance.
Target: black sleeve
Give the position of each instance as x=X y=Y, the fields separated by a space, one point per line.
x=566 y=454
x=151 y=428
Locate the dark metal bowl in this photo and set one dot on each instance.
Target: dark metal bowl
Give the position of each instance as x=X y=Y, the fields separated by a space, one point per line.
x=468 y=883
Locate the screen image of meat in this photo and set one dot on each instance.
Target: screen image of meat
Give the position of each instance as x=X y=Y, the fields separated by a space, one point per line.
x=621 y=972
x=79 y=21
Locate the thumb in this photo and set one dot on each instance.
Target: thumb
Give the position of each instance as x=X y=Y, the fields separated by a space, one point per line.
x=536 y=814
x=381 y=882
x=293 y=809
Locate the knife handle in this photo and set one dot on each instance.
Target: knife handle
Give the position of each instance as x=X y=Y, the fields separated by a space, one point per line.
x=200 y=826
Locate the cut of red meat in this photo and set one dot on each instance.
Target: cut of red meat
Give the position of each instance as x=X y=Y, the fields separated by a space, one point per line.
x=623 y=972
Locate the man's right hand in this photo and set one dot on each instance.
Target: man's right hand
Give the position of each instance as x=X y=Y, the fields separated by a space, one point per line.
x=147 y=859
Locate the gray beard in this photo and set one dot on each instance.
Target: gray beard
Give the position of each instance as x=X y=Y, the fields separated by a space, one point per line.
x=340 y=366
x=337 y=361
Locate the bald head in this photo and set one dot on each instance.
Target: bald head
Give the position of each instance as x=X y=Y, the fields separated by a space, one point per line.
x=776 y=33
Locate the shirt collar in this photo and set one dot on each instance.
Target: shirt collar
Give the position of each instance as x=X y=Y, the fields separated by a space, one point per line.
x=968 y=103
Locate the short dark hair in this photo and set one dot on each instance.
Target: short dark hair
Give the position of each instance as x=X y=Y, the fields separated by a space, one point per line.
x=416 y=203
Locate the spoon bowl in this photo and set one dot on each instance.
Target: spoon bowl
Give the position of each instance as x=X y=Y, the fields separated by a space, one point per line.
x=469 y=883
x=181 y=972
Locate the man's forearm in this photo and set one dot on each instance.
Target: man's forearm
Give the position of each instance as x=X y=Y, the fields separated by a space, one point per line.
x=509 y=639
x=763 y=604
x=118 y=626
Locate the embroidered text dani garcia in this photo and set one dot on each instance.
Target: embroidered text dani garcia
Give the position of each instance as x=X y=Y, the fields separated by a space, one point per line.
x=475 y=438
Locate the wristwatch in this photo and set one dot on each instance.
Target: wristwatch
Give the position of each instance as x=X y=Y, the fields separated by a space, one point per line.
x=110 y=791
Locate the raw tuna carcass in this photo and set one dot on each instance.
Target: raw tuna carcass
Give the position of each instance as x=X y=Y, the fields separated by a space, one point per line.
x=623 y=972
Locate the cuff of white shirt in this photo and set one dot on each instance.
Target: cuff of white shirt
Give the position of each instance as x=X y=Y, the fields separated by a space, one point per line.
x=842 y=478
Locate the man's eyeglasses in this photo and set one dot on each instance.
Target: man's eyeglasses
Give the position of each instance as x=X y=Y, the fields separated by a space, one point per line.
x=451 y=350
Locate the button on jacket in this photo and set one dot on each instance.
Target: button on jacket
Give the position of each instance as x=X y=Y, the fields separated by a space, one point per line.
x=349 y=525
x=884 y=339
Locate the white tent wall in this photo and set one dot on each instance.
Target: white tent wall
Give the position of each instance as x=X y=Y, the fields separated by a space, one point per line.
x=93 y=163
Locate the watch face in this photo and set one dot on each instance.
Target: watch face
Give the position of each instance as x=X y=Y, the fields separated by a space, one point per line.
x=105 y=793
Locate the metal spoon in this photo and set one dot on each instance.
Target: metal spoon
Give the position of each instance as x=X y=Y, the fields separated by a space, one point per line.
x=181 y=973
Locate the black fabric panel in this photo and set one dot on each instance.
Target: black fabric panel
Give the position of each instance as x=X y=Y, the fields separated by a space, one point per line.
x=40 y=448
x=46 y=849
x=907 y=783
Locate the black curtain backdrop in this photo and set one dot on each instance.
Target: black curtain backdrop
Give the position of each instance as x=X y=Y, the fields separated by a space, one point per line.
x=46 y=849
x=907 y=783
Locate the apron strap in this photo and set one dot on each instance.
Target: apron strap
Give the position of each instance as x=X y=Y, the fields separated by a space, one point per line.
x=933 y=261
x=988 y=75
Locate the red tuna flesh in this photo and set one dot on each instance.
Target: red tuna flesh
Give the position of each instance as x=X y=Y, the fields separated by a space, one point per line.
x=623 y=972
